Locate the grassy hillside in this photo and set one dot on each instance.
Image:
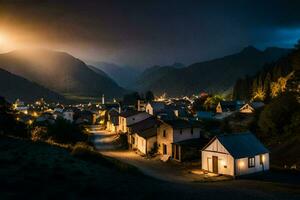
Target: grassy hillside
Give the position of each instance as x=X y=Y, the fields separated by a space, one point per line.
x=33 y=170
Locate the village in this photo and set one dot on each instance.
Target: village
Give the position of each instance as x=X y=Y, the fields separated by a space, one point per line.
x=163 y=131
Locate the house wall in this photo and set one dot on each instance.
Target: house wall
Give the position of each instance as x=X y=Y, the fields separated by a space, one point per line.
x=242 y=165
x=219 y=108
x=151 y=142
x=142 y=144
x=246 y=109
x=168 y=140
x=122 y=124
x=186 y=134
x=149 y=109
x=173 y=135
x=225 y=160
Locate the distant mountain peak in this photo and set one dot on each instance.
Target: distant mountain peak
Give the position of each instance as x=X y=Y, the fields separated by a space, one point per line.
x=250 y=49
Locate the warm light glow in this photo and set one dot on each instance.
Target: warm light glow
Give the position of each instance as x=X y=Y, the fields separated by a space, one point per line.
x=241 y=164
x=263 y=158
x=223 y=163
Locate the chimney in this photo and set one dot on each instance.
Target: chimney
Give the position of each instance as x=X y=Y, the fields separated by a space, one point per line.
x=103 y=99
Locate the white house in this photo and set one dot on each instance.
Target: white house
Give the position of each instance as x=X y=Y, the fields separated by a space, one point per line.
x=142 y=135
x=154 y=107
x=130 y=117
x=169 y=132
x=235 y=155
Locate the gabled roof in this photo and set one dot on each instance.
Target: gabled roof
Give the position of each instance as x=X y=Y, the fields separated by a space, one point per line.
x=181 y=123
x=240 y=145
x=144 y=124
x=129 y=113
x=228 y=105
x=256 y=104
x=157 y=105
x=147 y=133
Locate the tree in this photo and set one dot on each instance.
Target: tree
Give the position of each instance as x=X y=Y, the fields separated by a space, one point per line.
x=63 y=131
x=149 y=96
x=8 y=123
x=277 y=115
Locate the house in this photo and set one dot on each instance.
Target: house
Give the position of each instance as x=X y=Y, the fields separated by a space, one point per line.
x=142 y=135
x=226 y=106
x=141 y=105
x=251 y=107
x=235 y=155
x=130 y=117
x=170 y=132
x=154 y=107
x=112 y=120
x=68 y=115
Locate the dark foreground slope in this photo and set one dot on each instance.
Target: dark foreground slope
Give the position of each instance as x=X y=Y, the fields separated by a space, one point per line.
x=38 y=171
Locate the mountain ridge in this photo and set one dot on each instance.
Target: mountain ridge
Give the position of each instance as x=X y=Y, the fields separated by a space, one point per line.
x=60 y=72
x=216 y=75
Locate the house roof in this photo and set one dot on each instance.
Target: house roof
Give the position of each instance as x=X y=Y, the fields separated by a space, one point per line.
x=241 y=145
x=147 y=133
x=129 y=113
x=113 y=112
x=181 y=123
x=196 y=142
x=156 y=105
x=228 y=105
x=144 y=124
x=256 y=104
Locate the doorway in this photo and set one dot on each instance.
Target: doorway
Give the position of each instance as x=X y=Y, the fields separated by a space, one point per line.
x=164 y=149
x=215 y=164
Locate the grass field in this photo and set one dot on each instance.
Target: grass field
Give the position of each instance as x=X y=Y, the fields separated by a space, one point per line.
x=34 y=170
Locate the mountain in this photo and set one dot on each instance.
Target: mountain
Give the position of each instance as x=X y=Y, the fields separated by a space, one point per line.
x=284 y=74
x=59 y=72
x=213 y=76
x=124 y=76
x=13 y=87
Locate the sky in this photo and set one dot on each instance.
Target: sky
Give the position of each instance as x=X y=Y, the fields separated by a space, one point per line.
x=150 y=32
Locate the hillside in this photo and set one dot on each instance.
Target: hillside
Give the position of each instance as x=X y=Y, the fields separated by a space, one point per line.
x=13 y=87
x=214 y=76
x=283 y=75
x=124 y=76
x=59 y=72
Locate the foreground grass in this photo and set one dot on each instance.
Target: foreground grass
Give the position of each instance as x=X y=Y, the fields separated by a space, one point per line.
x=35 y=170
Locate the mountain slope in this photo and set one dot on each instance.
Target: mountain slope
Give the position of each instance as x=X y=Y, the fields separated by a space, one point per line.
x=59 y=72
x=215 y=76
x=124 y=76
x=13 y=87
x=268 y=83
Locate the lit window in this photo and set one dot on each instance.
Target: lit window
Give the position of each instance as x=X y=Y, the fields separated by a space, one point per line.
x=261 y=159
x=251 y=162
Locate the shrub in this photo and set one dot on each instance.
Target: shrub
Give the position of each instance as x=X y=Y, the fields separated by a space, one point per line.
x=39 y=133
x=63 y=131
